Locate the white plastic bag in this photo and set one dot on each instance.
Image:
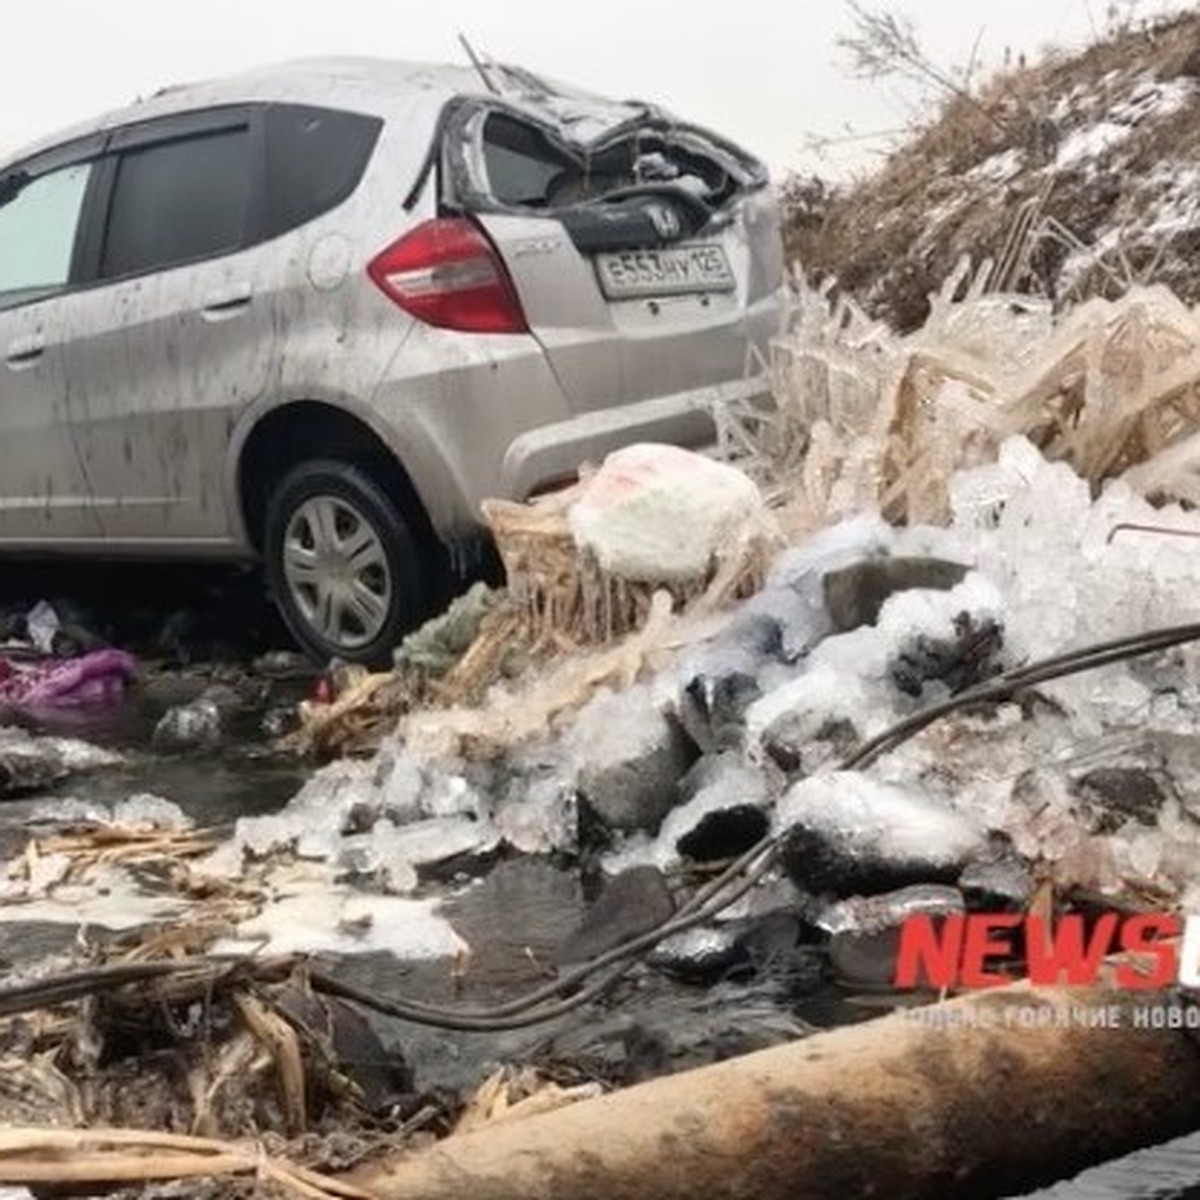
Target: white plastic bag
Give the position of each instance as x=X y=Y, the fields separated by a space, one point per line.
x=660 y=514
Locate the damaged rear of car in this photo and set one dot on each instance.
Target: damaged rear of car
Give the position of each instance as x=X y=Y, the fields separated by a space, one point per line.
x=643 y=256
x=624 y=231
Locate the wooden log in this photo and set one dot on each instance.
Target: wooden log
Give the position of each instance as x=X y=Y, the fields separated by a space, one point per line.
x=1018 y=1092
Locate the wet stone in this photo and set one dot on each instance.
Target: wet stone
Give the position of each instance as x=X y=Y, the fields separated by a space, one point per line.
x=854 y=595
x=633 y=903
x=700 y=955
x=844 y=834
x=627 y=757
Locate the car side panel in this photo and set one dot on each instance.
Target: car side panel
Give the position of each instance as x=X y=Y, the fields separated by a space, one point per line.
x=159 y=367
x=45 y=495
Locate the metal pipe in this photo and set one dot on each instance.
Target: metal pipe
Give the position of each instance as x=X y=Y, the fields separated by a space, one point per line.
x=1015 y=1093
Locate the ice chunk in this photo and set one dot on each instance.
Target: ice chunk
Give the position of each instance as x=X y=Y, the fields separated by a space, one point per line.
x=29 y=763
x=451 y=796
x=802 y=567
x=70 y=813
x=539 y=817
x=435 y=840
x=197 y=725
x=147 y=811
x=865 y=941
x=309 y=913
x=873 y=914
x=399 y=783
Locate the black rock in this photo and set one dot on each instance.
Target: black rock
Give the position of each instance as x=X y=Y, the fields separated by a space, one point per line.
x=725 y=833
x=820 y=864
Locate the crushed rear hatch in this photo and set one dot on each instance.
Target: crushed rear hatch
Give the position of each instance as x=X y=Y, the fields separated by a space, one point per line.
x=645 y=251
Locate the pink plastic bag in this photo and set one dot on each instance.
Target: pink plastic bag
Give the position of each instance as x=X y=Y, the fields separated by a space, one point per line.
x=99 y=677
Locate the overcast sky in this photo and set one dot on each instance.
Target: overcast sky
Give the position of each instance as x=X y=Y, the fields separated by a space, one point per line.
x=766 y=72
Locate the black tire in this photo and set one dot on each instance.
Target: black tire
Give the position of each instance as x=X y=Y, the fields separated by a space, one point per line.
x=347 y=489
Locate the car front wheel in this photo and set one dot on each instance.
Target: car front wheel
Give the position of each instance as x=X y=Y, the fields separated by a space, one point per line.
x=341 y=562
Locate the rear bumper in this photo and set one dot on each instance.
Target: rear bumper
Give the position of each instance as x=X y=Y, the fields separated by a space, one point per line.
x=547 y=455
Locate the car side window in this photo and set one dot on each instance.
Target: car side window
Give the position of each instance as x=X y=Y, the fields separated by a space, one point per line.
x=178 y=201
x=315 y=159
x=38 y=222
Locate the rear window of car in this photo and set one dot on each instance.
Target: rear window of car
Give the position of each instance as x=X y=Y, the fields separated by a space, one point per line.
x=178 y=201
x=315 y=159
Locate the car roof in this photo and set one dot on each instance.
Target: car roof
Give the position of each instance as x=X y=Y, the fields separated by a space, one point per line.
x=368 y=85
x=376 y=86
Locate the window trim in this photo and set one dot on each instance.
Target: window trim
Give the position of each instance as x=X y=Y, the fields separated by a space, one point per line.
x=145 y=135
x=104 y=148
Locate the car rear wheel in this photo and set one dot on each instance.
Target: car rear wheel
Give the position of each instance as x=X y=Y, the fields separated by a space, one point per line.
x=341 y=562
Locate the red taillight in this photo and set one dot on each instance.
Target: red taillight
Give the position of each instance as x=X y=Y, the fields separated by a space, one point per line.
x=446 y=273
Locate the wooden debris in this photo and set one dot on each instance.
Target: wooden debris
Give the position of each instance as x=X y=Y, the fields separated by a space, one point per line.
x=96 y=1157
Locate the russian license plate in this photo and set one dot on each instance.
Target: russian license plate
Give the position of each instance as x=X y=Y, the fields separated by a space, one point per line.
x=671 y=271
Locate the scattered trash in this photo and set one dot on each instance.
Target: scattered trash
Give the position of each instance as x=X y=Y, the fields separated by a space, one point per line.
x=41 y=625
x=96 y=678
x=434 y=649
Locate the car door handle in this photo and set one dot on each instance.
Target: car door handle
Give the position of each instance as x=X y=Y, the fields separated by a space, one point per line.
x=24 y=352
x=227 y=302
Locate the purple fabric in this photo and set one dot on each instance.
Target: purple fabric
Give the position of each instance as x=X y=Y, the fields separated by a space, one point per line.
x=98 y=677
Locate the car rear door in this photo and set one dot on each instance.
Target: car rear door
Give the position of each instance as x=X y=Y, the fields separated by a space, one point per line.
x=172 y=337
x=45 y=495
x=648 y=260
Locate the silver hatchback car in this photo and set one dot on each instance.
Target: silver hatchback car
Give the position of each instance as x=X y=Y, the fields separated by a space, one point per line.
x=314 y=314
